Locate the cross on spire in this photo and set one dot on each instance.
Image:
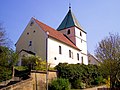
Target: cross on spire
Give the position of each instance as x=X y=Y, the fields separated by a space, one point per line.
x=69 y=6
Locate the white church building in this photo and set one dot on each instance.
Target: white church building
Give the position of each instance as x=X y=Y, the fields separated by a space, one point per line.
x=67 y=44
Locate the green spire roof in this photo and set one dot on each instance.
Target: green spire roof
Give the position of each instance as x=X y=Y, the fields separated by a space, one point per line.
x=69 y=21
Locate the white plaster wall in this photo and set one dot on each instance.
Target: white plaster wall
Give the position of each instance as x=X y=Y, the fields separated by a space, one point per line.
x=53 y=51
x=85 y=59
x=81 y=43
x=77 y=33
x=83 y=46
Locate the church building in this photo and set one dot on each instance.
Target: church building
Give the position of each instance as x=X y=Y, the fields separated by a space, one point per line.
x=66 y=44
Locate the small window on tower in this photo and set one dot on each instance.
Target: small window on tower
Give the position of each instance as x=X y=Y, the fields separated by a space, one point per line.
x=68 y=32
x=80 y=33
x=30 y=43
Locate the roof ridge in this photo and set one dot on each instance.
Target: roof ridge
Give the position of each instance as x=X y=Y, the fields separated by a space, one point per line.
x=55 y=34
x=43 y=23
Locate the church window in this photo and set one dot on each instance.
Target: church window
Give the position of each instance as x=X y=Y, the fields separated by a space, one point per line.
x=31 y=23
x=27 y=33
x=60 y=50
x=81 y=40
x=23 y=55
x=82 y=59
x=77 y=56
x=55 y=58
x=70 y=53
x=80 y=33
x=30 y=43
x=68 y=32
x=88 y=61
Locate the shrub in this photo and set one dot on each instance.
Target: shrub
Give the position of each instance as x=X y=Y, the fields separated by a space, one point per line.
x=5 y=73
x=22 y=72
x=78 y=84
x=21 y=68
x=59 y=84
x=90 y=75
x=98 y=81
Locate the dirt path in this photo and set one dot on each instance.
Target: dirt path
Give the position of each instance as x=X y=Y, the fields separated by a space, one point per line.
x=95 y=88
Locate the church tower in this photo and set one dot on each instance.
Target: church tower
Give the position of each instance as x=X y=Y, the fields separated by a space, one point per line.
x=71 y=28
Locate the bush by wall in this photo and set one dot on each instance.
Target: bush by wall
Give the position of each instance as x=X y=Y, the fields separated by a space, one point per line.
x=5 y=73
x=59 y=84
x=79 y=75
x=22 y=72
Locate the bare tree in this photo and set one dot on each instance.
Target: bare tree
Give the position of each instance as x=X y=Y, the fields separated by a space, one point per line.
x=108 y=52
x=2 y=36
x=109 y=48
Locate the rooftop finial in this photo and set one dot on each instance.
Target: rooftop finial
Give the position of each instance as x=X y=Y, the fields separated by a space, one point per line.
x=69 y=6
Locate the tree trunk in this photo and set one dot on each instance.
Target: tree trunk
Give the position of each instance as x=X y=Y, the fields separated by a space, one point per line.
x=13 y=72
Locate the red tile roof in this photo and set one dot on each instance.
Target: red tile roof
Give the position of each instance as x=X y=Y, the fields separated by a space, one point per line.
x=55 y=34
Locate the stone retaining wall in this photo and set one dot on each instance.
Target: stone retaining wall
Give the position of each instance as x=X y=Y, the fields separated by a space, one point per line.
x=23 y=85
x=39 y=78
x=36 y=82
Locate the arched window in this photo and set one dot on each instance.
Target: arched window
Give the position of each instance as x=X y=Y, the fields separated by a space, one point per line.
x=68 y=32
x=70 y=54
x=77 y=56
x=82 y=59
x=60 y=50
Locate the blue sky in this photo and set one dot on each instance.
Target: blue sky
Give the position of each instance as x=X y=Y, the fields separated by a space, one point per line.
x=97 y=17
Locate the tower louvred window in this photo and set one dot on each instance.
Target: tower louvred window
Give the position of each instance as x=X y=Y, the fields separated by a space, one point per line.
x=68 y=32
x=80 y=33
